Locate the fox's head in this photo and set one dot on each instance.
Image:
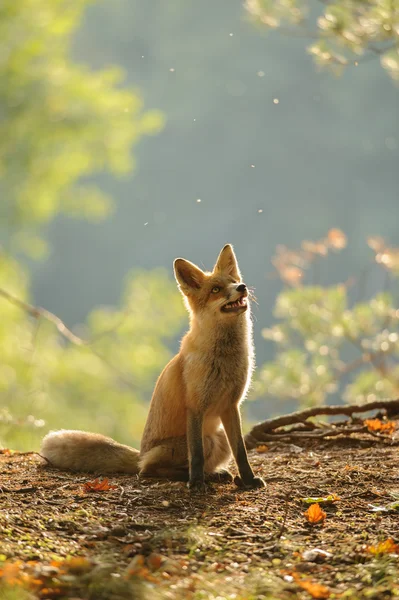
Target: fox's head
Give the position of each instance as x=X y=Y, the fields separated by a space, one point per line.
x=220 y=293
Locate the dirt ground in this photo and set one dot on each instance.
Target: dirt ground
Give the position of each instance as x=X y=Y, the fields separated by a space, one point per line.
x=152 y=539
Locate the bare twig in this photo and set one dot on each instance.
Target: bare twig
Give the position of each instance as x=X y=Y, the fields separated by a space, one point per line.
x=287 y=506
x=25 y=490
x=38 y=312
x=295 y=436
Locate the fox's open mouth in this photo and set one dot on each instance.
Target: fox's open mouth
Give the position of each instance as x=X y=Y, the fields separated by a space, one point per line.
x=237 y=305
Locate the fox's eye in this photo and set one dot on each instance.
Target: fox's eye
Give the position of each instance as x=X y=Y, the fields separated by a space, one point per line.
x=215 y=290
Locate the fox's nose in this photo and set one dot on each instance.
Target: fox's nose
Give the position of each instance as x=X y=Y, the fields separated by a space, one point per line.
x=241 y=288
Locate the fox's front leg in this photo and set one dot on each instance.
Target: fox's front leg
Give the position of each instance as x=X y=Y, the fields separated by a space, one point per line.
x=195 y=451
x=231 y=420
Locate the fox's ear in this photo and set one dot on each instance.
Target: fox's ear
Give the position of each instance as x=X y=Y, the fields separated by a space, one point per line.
x=188 y=276
x=227 y=263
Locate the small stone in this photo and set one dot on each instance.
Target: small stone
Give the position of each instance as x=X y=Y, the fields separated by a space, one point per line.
x=316 y=555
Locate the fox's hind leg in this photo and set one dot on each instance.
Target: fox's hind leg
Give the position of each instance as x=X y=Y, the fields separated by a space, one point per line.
x=217 y=457
x=167 y=460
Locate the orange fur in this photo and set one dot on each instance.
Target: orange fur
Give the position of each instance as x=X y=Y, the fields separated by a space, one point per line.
x=193 y=426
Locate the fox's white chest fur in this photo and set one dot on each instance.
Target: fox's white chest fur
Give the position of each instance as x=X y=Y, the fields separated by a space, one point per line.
x=222 y=374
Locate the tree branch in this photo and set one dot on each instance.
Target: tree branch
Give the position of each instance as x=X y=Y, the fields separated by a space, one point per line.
x=260 y=431
x=38 y=312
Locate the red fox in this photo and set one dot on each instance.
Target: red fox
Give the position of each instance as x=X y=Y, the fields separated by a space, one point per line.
x=194 y=422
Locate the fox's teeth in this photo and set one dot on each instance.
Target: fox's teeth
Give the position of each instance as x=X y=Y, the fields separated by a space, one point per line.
x=240 y=302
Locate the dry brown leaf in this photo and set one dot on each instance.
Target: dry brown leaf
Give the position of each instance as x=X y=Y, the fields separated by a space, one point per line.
x=378 y=425
x=316 y=590
x=315 y=514
x=262 y=449
x=154 y=561
x=353 y=468
x=99 y=486
x=386 y=547
x=137 y=568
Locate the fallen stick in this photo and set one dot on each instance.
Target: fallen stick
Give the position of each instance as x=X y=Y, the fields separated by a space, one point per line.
x=265 y=431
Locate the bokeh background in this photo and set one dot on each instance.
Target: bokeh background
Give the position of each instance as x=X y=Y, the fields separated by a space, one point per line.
x=136 y=132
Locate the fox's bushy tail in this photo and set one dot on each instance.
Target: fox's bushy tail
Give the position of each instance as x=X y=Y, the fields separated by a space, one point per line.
x=91 y=452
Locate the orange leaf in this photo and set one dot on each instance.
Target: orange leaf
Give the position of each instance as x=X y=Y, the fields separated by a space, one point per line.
x=98 y=486
x=386 y=547
x=48 y=593
x=11 y=573
x=316 y=590
x=378 y=425
x=336 y=238
x=154 y=561
x=389 y=258
x=315 y=514
x=262 y=449
x=136 y=565
x=77 y=565
x=376 y=243
x=291 y=275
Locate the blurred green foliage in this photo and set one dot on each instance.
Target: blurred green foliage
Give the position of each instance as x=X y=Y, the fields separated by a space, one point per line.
x=329 y=343
x=59 y=124
x=100 y=385
x=344 y=31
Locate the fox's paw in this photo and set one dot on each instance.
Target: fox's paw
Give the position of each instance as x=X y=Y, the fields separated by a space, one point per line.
x=222 y=476
x=256 y=482
x=197 y=486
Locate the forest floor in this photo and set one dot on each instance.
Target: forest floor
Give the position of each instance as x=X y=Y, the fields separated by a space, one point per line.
x=150 y=539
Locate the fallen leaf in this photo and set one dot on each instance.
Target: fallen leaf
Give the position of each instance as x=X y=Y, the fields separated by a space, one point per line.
x=137 y=563
x=154 y=561
x=386 y=547
x=315 y=514
x=49 y=593
x=99 y=486
x=326 y=499
x=378 y=425
x=316 y=590
x=77 y=565
x=10 y=573
x=353 y=468
x=262 y=449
